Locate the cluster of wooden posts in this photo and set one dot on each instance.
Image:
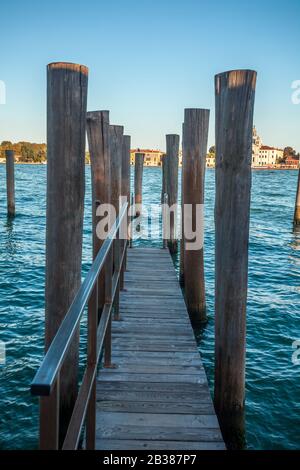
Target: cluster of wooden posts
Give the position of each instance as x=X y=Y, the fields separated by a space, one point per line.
x=67 y=123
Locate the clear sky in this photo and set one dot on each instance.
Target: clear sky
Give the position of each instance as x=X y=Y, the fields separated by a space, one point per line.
x=148 y=60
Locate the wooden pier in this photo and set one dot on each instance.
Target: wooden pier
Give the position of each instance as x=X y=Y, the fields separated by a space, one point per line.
x=156 y=395
x=151 y=391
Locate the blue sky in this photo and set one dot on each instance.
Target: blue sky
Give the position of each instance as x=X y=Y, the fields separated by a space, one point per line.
x=148 y=60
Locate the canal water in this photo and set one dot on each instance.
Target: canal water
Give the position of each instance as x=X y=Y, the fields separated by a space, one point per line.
x=273 y=313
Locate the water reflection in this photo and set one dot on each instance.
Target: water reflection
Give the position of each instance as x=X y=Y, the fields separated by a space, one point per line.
x=10 y=243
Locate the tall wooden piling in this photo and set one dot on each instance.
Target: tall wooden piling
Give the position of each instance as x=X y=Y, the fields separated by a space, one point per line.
x=125 y=192
x=98 y=140
x=116 y=144
x=138 y=181
x=10 y=182
x=297 y=203
x=235 y=92
x=164 y=177
x=66 y=120
x=195 y=137
x=172 y=146
x=181 y=264
x=125 y=185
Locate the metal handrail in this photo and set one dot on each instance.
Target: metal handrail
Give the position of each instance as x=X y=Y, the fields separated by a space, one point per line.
x=46 y=375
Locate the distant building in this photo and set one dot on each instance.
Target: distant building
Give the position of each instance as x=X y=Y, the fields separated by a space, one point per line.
x=267 y=156
x=210 y=160
x=152 y=157
x=263 y=155
x=292 y=161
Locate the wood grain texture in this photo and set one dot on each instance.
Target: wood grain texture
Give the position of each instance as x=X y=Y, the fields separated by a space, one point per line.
x=172 y=162
x=157 y=395
x=163 y=176
x=196 y=122
x=10 y=182
x=138 y=181
x=66 y=124
x=297 y=202
x=98 y=140
x=234 y=91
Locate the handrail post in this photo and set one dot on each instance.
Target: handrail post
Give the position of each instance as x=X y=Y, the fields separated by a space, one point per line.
x=164 y=221
x=131 y=219
x=108 y=299
x=49 y=419
x=117 y=269
x=92 y=362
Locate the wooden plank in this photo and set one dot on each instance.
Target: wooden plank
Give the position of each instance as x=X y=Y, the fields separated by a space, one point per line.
x=157 y=369
x=155 y=407
x=130 y=377
x=185 y=388
x=107 y=430
x=157 y=396
x=158 y=419
x=126 y=444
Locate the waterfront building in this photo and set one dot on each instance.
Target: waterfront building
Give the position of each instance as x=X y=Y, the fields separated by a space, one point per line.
x=292 y=161
x=267 y=156
x=264 y=155
x=210 y=160
x=152 y=157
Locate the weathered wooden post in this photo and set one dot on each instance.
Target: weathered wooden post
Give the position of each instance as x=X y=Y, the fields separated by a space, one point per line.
x=235 y=92
x=181 y=265
x=297 y=203
x=66 y=118
x=196 y=122
x=138 y=181
x=116 y=143
x=10 y=182
x=125 y=189
x=172 y=146
x=98 y=140
x=164 y=177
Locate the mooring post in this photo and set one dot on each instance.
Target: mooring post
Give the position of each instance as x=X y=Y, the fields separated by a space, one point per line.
x=172 y=146
x=10 y=182
x=98 y=140
x=116 y=143
x=196 y=122
x=164 y=168
x=181 y=264
x=125 y=190
x=297 y=203
x=138 y=182
x=66 y=120
x=235 y=92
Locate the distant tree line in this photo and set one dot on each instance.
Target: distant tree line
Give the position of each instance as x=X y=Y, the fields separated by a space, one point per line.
x=27 y=152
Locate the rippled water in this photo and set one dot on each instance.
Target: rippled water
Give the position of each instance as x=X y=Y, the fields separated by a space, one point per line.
x=273 y=382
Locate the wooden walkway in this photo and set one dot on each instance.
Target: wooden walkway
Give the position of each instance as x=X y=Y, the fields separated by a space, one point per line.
x=157 y=397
